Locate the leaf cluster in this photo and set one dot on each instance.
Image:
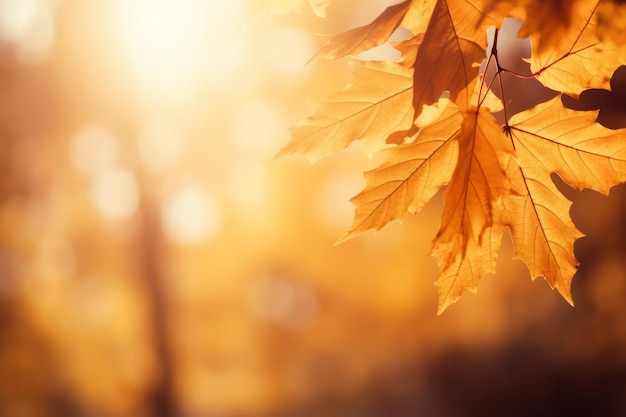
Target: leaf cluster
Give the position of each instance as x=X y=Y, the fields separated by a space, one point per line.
x=431 y=114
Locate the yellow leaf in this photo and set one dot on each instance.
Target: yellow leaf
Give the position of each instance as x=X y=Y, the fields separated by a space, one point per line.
x=365 y=37
x=612 y=21
x=483 y=96
x=578 y=59
x=478 y=183
x=542 y=230
x=452 y=46
x=549 y=20
x=464 y=273
x=496 y=177
x=370 y=109
x=553 y=139
x=410 y=176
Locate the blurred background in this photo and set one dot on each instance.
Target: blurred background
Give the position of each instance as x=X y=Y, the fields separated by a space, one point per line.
x=155 y=260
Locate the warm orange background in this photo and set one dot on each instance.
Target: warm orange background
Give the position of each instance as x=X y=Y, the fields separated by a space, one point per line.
x=156 y=261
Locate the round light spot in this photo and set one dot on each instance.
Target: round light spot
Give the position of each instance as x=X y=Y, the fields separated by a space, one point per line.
x=30 y=24
x=286 y=303
x=17 y=18
x=115 y=193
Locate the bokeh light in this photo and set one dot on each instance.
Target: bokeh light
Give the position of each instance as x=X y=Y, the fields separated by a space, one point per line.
x=288 y=304
x=172 y=44
x=190 y=214
x=115 y=193
x=30 y=25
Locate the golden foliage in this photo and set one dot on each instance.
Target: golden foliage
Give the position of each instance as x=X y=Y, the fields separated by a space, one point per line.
x=375 y=105
x=411 y=175
x=496 y=176
x=365 y=37
x=578 y=59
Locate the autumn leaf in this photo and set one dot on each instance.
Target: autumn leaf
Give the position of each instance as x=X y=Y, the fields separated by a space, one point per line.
x=583 y=153
x=365 y=37
x=546 y=20
x=453 y=47
x=579 y=59
x=450 y=51
x=479 y=182
x=371 y=108
x=411 y=175
x=612 y=21
x=550 y=21
x=496 y=176
x=464 y=273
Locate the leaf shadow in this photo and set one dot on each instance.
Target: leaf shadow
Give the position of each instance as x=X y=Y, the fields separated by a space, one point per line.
x=611 y=103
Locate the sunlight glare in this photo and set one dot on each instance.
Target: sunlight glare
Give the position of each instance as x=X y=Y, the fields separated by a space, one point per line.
x=17 y=17
x=171 y=43
x=225 y=57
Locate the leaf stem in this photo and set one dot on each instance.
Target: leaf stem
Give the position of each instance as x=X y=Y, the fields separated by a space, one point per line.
x=492 y=54
x=518 y=75
x=499 y=75
x=499 y=70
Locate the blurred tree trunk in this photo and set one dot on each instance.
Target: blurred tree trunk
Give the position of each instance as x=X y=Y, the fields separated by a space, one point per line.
x=161 y=396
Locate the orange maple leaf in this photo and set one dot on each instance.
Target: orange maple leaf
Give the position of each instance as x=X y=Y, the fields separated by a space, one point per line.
x=411 y=175
x=550 y=138
x=373 y=107
x=365 y=37
x=579 y=59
